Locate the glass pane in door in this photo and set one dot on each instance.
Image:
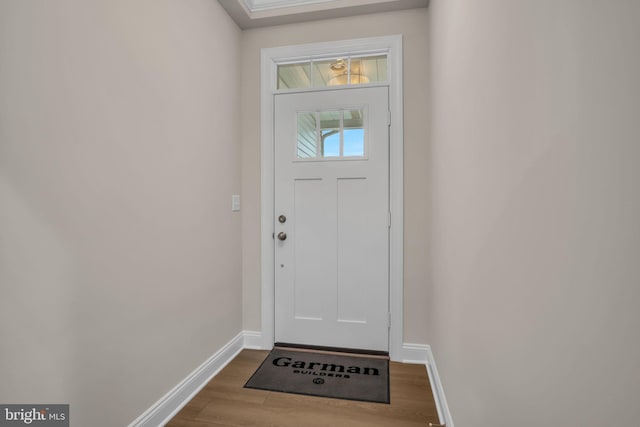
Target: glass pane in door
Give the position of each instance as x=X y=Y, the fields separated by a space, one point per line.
x=353 y=133
x=307 y=138
x=330 y=125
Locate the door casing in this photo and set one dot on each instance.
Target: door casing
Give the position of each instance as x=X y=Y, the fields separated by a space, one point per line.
x=270 y=57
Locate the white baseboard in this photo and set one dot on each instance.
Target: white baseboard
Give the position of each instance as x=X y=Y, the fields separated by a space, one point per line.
x=421 y=354
x=168 y=406
x=164 y=409
x=415 y=353
x=253 y=340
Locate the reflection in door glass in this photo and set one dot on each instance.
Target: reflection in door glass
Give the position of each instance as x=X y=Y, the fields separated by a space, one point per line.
x=307 y=138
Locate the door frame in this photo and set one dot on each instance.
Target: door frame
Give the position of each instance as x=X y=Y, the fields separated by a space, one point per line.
x=270 y=58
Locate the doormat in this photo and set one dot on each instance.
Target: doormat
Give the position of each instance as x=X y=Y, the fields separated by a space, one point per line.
x=325 y=374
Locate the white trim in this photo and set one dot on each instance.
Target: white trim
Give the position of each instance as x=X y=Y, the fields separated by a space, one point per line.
x=267 y=74
x=421 y=354
x=415 y=353
x=170 y=404
x=253 y=340
x=270 y=57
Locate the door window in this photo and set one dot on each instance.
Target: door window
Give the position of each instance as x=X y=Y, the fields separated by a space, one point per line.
x=331 y=134
x=336 y=71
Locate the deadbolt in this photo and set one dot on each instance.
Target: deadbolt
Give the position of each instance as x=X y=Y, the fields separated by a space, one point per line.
x=282 y=219
x=282 y=235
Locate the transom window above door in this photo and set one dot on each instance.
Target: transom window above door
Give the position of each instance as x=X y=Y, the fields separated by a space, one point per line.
x=331 y=134
x=329 y=72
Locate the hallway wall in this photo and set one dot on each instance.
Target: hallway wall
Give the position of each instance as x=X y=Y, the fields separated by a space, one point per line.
x=535 y=213
x=413 y=25
x=119 y=254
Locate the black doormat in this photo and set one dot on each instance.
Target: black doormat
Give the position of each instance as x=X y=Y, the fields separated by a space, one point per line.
x=324 y=374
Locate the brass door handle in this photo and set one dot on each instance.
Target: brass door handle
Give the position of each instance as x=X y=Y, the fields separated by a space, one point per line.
x=282 y=235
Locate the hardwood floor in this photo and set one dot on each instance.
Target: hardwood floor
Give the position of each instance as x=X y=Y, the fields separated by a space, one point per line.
x=224 y=402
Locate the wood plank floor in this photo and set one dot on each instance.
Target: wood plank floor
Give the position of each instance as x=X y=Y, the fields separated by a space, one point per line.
x=224 y=402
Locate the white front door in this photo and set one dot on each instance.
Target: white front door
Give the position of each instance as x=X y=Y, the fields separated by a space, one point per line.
x=332 y=218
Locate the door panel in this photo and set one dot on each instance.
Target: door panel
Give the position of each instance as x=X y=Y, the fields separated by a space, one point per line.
x=332 y=185
x=311 y=260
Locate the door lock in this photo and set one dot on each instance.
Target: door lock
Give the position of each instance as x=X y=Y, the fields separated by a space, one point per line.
x=282 y=235
x=282 y=219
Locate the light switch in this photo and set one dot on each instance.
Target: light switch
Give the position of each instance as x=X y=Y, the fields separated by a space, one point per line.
x=235 y=203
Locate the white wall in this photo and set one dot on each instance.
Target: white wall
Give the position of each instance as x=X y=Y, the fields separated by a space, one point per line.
x=412 y=24
x=535 y=224
x=119 y=254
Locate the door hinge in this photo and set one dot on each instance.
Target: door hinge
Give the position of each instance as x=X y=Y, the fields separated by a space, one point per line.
x=388 y=219
x=388 y=118
x=389 y=321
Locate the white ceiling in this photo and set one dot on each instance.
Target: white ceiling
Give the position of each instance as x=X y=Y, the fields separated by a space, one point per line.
x=262 y=13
